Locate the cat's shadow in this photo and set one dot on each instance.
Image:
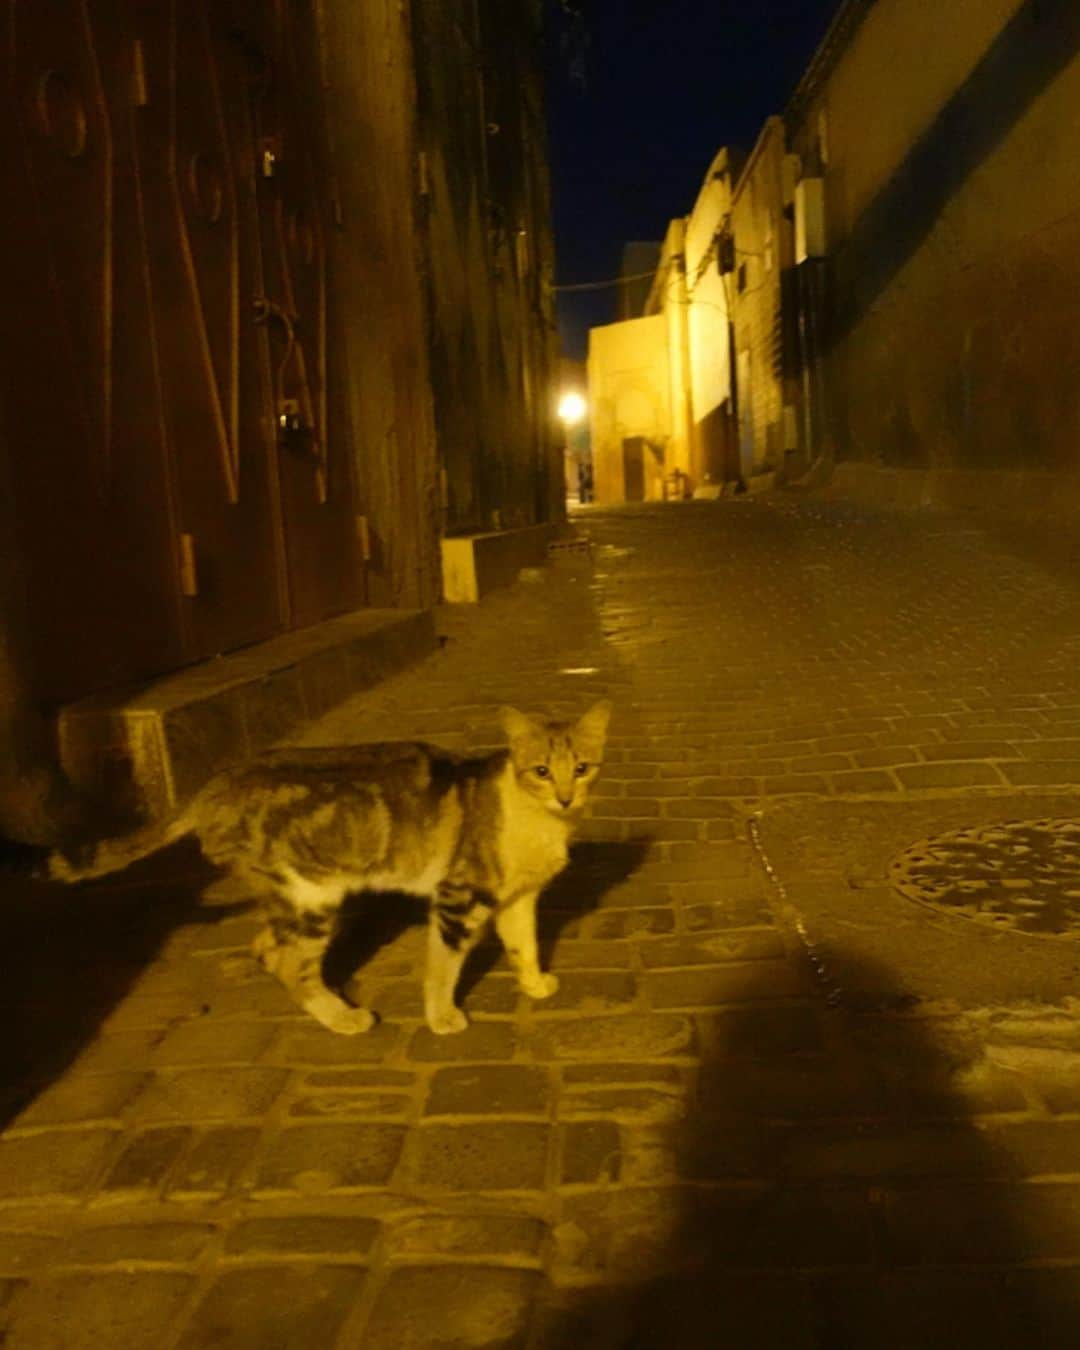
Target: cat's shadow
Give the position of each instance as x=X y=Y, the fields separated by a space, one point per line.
x=374 y=920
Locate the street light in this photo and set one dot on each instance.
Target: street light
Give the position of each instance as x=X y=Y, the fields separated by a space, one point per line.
x=571 y=409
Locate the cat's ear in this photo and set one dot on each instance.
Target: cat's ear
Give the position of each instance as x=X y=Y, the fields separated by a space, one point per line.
x=592 y=726
x=518 y=727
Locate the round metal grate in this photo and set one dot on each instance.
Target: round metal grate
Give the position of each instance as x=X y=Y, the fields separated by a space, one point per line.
x=1022 y=876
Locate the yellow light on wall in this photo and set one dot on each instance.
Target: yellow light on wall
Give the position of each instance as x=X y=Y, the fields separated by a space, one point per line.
x=571 y=409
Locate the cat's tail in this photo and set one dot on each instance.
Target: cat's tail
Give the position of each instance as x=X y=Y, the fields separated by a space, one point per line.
x=84 y=862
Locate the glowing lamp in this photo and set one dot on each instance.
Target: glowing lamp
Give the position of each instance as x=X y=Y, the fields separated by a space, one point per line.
x=571 y=409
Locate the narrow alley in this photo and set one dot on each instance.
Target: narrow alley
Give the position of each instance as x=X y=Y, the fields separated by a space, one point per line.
x=776 y=1102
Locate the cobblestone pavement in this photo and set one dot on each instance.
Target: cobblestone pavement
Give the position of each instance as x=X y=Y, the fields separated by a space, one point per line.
x=741 y=1122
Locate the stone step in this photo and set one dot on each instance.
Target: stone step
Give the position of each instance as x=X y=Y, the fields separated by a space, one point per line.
x=143 y=750
x=473 y=565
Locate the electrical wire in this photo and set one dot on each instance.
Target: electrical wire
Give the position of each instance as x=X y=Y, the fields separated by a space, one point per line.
x=599 y=285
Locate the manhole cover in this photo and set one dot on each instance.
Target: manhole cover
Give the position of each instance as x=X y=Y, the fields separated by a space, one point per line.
x=1022 y=876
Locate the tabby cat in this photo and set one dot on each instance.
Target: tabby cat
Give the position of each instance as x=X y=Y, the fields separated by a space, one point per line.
x=300 y=829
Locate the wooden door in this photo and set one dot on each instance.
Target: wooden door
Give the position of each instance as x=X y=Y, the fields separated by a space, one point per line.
x=165 y=308
x=80 y=405
x=633 y=448
x=197 y=156
x=297 y=210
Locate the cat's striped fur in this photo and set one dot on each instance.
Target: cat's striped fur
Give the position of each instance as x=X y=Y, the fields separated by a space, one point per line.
x=301 y=829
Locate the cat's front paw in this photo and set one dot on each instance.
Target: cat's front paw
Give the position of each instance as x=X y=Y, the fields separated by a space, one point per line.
x=447 y=1021
x=540 y=986
x=354 y=1021
x=338 y=1016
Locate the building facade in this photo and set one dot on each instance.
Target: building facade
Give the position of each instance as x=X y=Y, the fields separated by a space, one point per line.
x=952 y=214
x=890 y=281
x=629 y=409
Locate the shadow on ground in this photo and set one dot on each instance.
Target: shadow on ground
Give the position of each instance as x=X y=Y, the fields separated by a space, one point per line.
x=71 y=954
x=829 y=1189
x=373 y=921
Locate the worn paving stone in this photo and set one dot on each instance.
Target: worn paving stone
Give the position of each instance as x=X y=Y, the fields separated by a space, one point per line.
x=632 y=1036
x=214 y=1041
x=333 y=1105
x=627 y=923
x=995 y=1223
x=493 y=996
x=118 y=1052
x=958 y=775
x=791 y=1090
x=274 y=1306
x=591 y=1075
x=589 y=992
x=314 y=1158
x=623 y=1231
x=314 y=1045
x=980 y=1090
x=489 y=1089
x=115 y=1244
x=968 y=1310
x=622 y=1103
x=83 y=1098
x=479 y=1040
x=208 y=1094
x=23 y=1251
x=707 y=948
x=494 y=1235
x=482 y=1156
x=360 y=1080
x=720 y=915
x=695 y=1312
x=590 y=1153
x=447 y=1307
x=90 y=1312
x=763 y=1032
x=303 y=1234
x=216 y=1162
x=146 y=1159
x=583 y=954
x=55 y=1162
x=708 y=986
x=875 y=1150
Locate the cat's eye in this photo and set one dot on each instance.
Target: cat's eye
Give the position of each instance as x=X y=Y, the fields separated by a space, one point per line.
x=542 y=771
x=580 y=770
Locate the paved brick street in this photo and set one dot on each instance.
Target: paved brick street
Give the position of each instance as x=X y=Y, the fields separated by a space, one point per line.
x=774 y=1103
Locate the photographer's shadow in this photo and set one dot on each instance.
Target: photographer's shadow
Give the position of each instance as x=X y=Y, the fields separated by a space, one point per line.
x=829 y=1188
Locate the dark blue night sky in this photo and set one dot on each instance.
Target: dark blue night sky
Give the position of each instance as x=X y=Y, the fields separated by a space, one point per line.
x=641 y=96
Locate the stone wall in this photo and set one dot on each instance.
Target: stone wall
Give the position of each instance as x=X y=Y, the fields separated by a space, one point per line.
x=947 y=138
x=488 y=260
